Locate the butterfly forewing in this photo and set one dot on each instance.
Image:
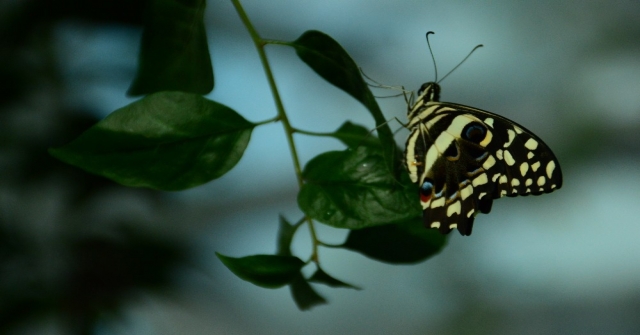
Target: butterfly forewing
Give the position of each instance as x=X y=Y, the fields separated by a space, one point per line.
x=462 y=158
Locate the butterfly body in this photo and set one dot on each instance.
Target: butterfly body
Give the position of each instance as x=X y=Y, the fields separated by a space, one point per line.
x=462 y=158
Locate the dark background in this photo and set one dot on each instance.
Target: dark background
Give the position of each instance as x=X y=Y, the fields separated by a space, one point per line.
x=81 y=255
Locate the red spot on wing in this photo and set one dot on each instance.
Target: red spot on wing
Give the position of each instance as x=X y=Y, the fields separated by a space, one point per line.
x=425 y=197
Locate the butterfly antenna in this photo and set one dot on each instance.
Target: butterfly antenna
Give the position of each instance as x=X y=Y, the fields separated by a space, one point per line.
x=432 y=57
x=377 y=84
x=457 y=66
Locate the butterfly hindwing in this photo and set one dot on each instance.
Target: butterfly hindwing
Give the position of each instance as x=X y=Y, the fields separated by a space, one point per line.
x=462 y=158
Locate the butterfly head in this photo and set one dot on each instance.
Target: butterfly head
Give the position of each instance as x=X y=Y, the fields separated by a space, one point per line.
x=429 y=92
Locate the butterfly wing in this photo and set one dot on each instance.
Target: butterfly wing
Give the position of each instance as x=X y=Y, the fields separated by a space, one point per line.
x=462 y=158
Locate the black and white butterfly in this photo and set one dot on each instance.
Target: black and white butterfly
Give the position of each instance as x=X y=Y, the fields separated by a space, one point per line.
x=462 y=158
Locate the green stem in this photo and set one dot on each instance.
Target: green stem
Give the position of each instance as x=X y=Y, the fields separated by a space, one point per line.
x=273 y=119
x=312 y=133
x=282 y=115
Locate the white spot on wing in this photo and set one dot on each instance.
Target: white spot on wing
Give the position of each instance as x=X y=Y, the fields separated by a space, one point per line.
x=518 y=130
x=466 y=192
x=480 y=180
x=541 y=181
x=528 y=182
x=508 y=158
x=531 y=144
x=503 y=179
x=515 y=182
x=453 y=226
x=550 y=167
x=489 y=162
x=435 y=224
x=470 y=213
x=454 y=208
x=530 y=155
x=499 y=154
x=535 y=166
x=512 y=135
x=437 y=203
x=495 y=177
x=489 y=122
x=482 y=194
x=524 y=167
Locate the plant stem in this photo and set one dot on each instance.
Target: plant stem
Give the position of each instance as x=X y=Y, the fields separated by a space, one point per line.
x=273 y=119
x=282 y=115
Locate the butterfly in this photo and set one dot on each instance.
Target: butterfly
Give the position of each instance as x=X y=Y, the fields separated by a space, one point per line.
x=462 y=158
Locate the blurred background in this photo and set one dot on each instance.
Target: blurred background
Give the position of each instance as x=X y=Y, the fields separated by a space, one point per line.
x=81 y=255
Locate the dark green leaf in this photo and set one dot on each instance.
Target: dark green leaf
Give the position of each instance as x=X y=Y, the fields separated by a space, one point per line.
x=304 y=295
x=330 y=61
x=353 y=189
x=174 y=54
x=353 y=135
x=323 y=278
x=167 y=141
x=406 y=242
x=269 y=271
x=285 y=236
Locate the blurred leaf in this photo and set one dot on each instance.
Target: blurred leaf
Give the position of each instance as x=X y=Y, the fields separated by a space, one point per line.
x=174 y=54
x=304 y=295
x=353 y=189
x=285 y=236
x=269 y=271
x=353 y=136
x=322 y=277
x=96 y=276
x=406 y=242
x=107 y=268
x=167 y=141
x=331 y=62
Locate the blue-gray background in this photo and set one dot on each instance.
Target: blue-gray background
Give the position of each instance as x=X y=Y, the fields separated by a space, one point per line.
x=564 y=263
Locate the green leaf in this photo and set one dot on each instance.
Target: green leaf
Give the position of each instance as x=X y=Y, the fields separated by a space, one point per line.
x=269 y=271
x=166 y=141
x=174 y=54
x=331 y=62
x=353 y=189
x=406 y=242
x=285 y=236
x=323 y=278
x=353 y=135
x=304 y=295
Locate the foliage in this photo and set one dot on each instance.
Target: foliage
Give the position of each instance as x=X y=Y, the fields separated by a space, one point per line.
x=175 y=139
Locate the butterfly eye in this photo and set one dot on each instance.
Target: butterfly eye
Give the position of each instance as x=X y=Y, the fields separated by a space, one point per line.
x=426 y=190
x=474 y=132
